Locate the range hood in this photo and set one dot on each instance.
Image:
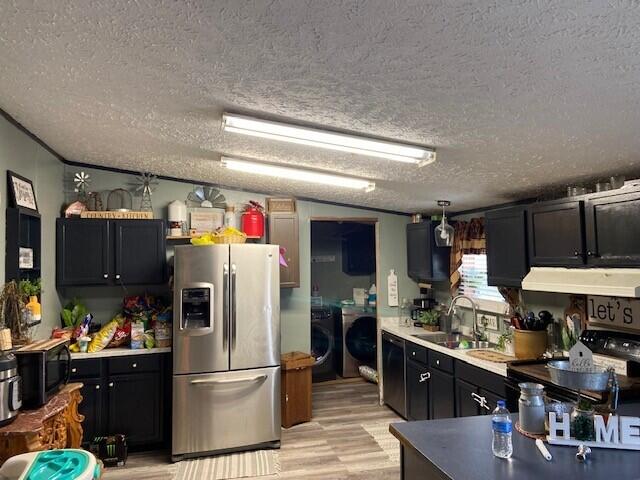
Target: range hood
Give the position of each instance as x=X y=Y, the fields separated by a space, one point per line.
x=612 y=282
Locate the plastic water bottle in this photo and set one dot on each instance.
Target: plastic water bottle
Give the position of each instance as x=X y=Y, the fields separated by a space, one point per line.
x=501 y=423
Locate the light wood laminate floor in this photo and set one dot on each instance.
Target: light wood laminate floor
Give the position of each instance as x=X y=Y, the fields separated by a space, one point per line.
x=335 y=445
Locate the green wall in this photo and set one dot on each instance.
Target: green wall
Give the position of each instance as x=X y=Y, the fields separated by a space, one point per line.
x=23 y=155
x=295 y=303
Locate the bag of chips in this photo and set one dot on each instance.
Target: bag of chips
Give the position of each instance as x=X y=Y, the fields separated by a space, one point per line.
x=103 y=337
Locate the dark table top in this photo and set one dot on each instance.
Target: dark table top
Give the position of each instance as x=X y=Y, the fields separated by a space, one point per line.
x=461 y=449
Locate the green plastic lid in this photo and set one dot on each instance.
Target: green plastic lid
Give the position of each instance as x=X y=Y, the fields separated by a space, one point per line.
x=59 y=465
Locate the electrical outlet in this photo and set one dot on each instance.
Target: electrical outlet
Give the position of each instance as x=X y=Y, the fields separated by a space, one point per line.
x=490 y=320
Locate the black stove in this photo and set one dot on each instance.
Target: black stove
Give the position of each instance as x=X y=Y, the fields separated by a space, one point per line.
x=620 y=345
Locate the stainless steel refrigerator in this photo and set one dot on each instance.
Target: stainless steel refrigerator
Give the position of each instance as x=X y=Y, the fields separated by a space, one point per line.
x=226 y=349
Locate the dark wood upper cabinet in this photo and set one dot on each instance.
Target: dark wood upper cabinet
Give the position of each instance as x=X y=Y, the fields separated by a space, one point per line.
x=425 y=261
x=613 y=229
x=359 y=251
x=507 y=255
x=83 y=252
x=283 y=231
x=140 y=251
x=107 y=252
x=556 y=233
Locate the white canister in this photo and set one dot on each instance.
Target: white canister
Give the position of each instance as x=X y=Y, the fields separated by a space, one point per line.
x=177 y=218
x=230 y=216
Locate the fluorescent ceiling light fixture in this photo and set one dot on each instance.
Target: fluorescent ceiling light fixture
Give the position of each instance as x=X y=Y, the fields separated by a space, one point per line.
x=303 y=175
x=314 y=137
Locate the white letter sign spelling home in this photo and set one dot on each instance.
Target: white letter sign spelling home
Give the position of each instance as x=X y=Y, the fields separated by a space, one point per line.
x=613 y=432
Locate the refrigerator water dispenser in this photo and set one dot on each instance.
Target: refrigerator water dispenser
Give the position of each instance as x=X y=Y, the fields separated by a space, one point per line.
x=196 y=308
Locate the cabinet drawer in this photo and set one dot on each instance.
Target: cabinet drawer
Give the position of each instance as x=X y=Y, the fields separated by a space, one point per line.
x=134 y=363
x=440 y=361
x=483 y=379
x=89 y=368
x=416 y=353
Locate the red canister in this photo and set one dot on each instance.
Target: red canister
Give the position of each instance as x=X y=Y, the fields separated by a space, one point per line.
x=252 y=222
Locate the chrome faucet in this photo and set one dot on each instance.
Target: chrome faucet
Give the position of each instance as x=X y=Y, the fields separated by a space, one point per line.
x=474 y=312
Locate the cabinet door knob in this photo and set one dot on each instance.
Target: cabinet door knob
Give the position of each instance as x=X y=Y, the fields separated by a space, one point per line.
x=106 y=275
x=97 y=387
x=134 y=365
x=425 y=376
x=110 y=384
x=117 y=276
x=74 y=370
x=413 y=353
x=437 y=362
x=577 y=254
x=592 y=254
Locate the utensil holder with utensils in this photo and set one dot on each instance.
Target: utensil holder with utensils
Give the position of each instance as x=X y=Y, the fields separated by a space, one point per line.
x=529 y=344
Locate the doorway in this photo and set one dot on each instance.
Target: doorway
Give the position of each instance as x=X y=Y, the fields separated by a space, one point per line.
x=344 y=282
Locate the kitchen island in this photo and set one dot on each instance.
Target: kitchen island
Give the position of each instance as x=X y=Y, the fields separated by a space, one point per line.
x=460 y=449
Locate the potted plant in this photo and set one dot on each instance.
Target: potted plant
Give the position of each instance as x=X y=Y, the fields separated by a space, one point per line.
x=11 y=308
x=505 y=343
x=30 y=291
x=73 y=313
x=430 y=320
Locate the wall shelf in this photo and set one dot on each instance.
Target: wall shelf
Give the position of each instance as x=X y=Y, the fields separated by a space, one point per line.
x=189 y=237
x=23 y=231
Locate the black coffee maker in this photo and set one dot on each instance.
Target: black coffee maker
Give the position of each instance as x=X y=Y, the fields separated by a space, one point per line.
x=422 y=304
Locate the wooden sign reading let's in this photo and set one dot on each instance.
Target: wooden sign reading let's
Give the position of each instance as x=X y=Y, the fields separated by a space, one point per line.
x=614 y=311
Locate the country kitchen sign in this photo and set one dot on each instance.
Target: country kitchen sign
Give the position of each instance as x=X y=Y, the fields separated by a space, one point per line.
x=614 y=311
x=21 y=191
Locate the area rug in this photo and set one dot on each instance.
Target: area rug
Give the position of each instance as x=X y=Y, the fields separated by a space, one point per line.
x=235 y=465
x=389 y=444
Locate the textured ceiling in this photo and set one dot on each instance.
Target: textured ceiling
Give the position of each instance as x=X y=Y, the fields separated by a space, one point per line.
x=518 y=97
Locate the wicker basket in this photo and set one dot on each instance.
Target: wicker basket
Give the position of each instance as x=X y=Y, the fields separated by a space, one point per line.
x=230 y=238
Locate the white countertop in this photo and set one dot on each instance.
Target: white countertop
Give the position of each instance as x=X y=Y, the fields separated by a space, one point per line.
x=118 y=352
x=390 y=324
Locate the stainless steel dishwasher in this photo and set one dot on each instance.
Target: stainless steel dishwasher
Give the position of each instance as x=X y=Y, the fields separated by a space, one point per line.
x=393 y=374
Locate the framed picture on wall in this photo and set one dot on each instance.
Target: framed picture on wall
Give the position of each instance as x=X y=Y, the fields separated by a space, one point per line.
x=21 y=192
x=25 y=258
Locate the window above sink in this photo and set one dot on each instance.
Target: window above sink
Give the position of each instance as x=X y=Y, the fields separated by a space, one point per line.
x=473 y=273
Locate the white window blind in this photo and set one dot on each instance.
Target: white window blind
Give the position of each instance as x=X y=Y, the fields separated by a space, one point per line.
x=474 y=279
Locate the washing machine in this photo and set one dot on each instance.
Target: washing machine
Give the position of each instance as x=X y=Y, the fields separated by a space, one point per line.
x=356 y=340
x=323 y=344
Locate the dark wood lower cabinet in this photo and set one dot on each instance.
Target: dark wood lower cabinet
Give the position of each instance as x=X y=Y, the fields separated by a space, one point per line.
x=132 y=403
x=491 y=401
x=437 y=385
x=135 y=407
x=442 y=400
x=418 y=377
x=91 y=407
x=466 y=403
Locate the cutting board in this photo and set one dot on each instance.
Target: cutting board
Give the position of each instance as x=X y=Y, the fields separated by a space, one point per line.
x=491 y=356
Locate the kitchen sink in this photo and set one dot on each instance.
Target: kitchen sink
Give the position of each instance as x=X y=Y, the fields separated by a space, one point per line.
x=454 y=340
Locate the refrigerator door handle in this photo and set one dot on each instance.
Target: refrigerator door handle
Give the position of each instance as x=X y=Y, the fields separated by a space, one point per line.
x=205 y=383
x=233 y=306
x=225 y=307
